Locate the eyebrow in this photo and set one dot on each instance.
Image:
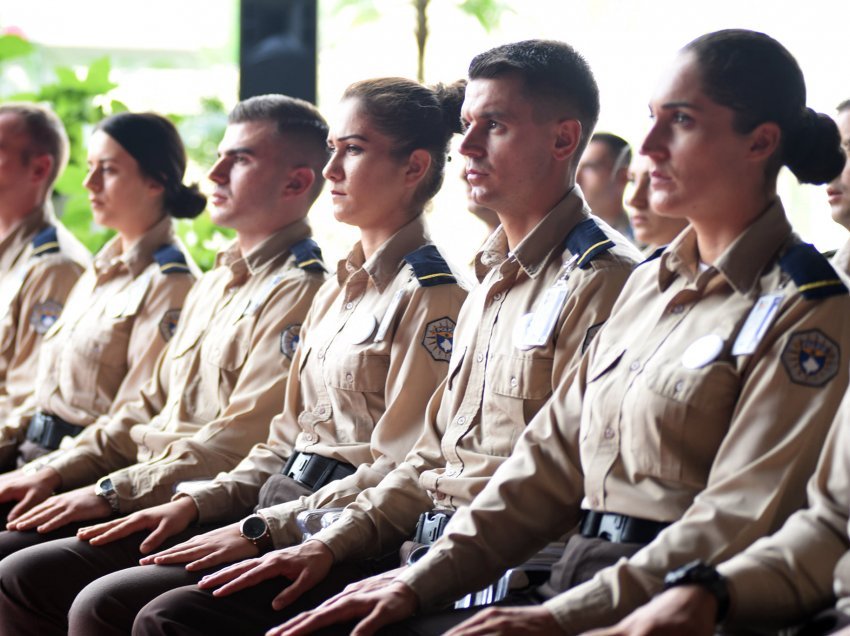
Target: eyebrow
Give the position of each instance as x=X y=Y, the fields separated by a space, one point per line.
x=354 y=136
x=239 y=150
x=690 y=105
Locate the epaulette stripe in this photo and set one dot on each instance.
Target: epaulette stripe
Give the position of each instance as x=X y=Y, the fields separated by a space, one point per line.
x=821 y=283
x=167 y=266
x=606 y=243
x=427 y=276
x=310 y=262
x=45 y=247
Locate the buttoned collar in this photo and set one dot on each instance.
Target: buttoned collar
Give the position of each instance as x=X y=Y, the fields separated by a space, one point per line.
x=140 y=254
x=263 y=254
x=384 y=264
x=742 y=263
x=534 y=250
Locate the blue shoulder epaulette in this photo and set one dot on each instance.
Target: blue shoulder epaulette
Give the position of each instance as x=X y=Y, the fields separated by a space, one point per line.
x=657 y=252
x=430 y=267
x=171 y=260
x=587 y=240
x=308 y=255
x=45 y=242
x=811 y=272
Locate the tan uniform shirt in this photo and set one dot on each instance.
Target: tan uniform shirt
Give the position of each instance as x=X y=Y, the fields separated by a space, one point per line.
x=37 y=271
x=117 y=319
x=216 y=386
x=497 y=381
x=374 y=347
x=805 y=566
x=841 y=262
x=665 y=423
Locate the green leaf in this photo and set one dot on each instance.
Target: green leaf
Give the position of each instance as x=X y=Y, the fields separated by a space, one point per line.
x=97 y=80
x=487 y=12
x=12 y=46
x=66 y=76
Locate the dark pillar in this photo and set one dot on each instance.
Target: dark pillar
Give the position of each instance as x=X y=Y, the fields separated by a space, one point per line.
x=277 y=50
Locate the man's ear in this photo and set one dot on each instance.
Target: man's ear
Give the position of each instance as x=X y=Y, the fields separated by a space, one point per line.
x=567 y=138
x=417 y=166
x=41 y=166
x=298 y=181
x=764 y=140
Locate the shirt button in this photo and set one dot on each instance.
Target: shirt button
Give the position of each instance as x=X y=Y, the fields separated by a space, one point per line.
x=348 y=377
x=308 y=437
x=461 y=420
x=497 y=296
x=634 y=366
x=514 y=382
x=349 y=305
x=480 y=357
x=321 y=411
x=679 y=386
x=321 y=353
x=678 y=309
x=609 y=433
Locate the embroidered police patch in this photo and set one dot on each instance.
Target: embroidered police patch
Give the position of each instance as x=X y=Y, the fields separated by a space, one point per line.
x=439 y=338
x=588 y=336
x=811 y=358
x=44 y=315
x=289 y=339
x=168 y=324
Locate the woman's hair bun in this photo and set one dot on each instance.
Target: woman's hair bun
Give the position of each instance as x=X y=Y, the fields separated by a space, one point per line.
x=451 y=97
x=186 y=202
x=813 y=150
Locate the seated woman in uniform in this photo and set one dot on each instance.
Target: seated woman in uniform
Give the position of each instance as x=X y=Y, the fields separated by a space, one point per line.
x=373 y=348
x=101 y=349
x=651 y=230
x=699 y=410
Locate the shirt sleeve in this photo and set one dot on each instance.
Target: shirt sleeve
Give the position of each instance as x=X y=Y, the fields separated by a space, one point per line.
x=414 y=374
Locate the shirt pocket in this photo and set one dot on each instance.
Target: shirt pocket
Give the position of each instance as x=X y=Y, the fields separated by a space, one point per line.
x=357 y=386
x=682 y=419
x=93 y=365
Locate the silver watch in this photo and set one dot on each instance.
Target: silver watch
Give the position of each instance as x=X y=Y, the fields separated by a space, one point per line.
x=105 y=489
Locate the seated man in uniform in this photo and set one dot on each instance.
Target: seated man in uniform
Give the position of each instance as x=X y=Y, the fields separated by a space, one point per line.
x=549 y=277
x=838 y=191
x=603 y=175
x=39 y=259
x=221 y=378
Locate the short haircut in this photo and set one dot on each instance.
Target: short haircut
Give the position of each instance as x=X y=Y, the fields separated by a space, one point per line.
x=297 y=121
x=845 y=105
x=552 y=72
x=619 y=148
x=46 y=134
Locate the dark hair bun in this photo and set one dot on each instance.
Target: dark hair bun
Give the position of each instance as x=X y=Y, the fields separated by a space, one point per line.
x=186 y=203
x=451 y=99
x=813 y=151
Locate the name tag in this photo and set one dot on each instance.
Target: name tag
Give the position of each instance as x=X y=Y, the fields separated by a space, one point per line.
x=758 y=321
x=535 y=329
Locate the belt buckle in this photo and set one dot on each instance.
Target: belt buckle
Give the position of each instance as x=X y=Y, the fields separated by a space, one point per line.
x=299 y=466
x=611 y=527
x=35 y=431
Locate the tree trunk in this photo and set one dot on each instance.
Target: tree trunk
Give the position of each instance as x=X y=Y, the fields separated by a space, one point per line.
x=421 y=7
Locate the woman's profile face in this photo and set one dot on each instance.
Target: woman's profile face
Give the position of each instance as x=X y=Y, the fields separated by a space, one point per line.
x=697 y=160
x=367 y=182
x=650 y=228
x=118 y=191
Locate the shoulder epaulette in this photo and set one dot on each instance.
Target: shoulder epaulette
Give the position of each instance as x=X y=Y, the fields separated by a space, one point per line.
x=308 y=255
x=430 y=267
x=45 y=242
x=171 y=260
x=811 y=272
x=656 y=253
x=587 y=241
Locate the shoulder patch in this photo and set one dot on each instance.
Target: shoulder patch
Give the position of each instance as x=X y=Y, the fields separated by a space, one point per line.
x=308 y=255
x=587 y=241
x=43 y=316
x=430 y=267
x=811 y=272
x=289 y=339
x=811 y=358
x=171 y=260
x=438 y=338
x=168 y=324
x=45 y=242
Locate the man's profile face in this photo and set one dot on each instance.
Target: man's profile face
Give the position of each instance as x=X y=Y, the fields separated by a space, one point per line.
x=839 y=190
x=13 y=146
x=595 y=174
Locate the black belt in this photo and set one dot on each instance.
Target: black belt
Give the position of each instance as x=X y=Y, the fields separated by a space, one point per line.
x=431 y=525
x=314 y=471
x=619 y=528
x=48 y=430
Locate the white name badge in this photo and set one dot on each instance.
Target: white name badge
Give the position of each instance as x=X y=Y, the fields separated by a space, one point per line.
x=758 y=321
x=702 y=351
x=389 y=315
x=358 y=330
x=538 y=328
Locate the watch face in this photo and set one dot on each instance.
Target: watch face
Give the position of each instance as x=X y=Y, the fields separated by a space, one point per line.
x=106 y=485
x=254 y=527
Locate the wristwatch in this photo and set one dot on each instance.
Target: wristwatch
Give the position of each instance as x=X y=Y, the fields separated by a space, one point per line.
x=105 y=489
x=705 y=576
x=256 y=530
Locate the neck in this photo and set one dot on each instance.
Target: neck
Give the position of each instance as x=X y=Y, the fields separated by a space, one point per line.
x=131 y=235
x=716 y=233
x=372 y=238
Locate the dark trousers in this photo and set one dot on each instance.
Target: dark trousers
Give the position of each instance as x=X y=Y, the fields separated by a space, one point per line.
x=39 y=583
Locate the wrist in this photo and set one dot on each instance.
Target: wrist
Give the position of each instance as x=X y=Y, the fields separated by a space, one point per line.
x=50 y=478
x=711 y=583
x=255 y=529
x=187 y=509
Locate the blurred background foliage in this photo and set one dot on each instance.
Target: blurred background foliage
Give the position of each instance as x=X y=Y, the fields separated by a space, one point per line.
x=81 y=99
